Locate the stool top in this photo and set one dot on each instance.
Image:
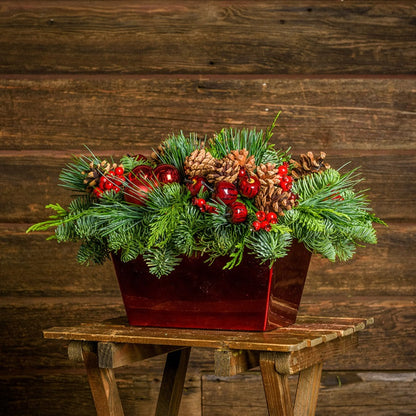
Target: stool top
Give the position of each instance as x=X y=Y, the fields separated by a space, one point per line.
x=308 y=331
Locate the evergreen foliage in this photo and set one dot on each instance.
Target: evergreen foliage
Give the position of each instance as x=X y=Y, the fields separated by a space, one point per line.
x=330 y=218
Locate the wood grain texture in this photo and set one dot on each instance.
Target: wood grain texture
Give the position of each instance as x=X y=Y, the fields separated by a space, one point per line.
x=102 y=384
x=213 y=37
x=276 y=387
x=306 y=336
x=307 y=391
x=22 y=322
x=171 y=389
x=135 y=113
x=341 y=393
x=34 y=267
x=68 y=393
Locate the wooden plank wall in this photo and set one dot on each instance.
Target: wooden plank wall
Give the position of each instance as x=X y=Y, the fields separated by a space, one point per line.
x=120 y=76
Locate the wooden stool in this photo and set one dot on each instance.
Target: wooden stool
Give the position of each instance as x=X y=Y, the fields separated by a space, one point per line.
x=300 y=348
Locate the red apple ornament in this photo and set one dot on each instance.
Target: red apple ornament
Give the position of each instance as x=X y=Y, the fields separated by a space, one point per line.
x=238 y=212
x=138 y=190
x=141 y=172
x=195 y=185
x=249 y=186
x=225 y=192
x=167 y=174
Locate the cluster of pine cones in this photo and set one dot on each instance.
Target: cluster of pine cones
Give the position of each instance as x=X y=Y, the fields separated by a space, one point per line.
x=272 y=196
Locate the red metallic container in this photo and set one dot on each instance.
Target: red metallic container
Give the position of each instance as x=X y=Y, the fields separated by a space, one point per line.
x=250 y=297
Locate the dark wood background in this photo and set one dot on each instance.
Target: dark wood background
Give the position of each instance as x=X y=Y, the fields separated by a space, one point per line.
x=120 y=76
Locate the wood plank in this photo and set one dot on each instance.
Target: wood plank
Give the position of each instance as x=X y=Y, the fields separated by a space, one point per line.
x=170 y=394
x=102 y=384
x=188 y=37
x=341 y=393
x=232 y=362
x=276 y=387
x=35 y=267
x=293 y=362
x=113 y=355
x=135 y=113
x=67 y=393
x=23 y=319
x=307 y=391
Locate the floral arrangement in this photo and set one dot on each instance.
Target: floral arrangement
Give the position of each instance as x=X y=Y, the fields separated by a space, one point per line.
x=227 y=195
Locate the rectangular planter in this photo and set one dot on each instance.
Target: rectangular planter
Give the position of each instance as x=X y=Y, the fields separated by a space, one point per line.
x=250 y=297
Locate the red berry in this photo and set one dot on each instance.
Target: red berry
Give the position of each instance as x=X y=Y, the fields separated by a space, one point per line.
x=286 y=186
x=256 y=225
x=226 y=192
x=242 y=173
x=282 y=170
x=108 y=185
x=261 y=215
x=211 y=209
x=167 y=174
x=268 y=228
x=264 y=224
x=119 y=170
x=97 y=192
x=116 y=189
x=103 y=181
x=271 y=217
x=249 y=186
x=200 y=202
x=238 y=212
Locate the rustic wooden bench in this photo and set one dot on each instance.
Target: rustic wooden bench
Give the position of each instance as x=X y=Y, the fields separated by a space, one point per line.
x=300 y=348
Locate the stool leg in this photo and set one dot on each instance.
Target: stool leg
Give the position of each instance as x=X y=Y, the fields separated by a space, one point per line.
x=103 y=386
x=308 y=390
x=276 y=387
x=172 y=382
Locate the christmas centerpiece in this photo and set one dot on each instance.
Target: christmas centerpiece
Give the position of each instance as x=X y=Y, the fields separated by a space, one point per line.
x=212 y=233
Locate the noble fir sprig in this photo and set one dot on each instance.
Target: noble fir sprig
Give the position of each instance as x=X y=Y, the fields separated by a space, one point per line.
x=230 y=195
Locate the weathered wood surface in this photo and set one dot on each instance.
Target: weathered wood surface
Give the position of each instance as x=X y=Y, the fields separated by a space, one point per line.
x=376 y=393
x=102 y=384
x=135 y=113
x=114 y=355
x=23 y=319
x=183 y=37
x=68 y=393
x=276 y=387
x=54 y=271
x=307 y=391
x=302 y=337
x=341 y=393
x=171 y=389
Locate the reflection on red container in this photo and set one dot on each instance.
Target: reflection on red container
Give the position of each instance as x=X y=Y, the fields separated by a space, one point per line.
x=250 y=297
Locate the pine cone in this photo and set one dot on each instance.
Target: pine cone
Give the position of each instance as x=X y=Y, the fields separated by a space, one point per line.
x=243 y=159
x=93 y=175
x=308 y=164
x=159 y=151
x=198 y=163
x=272 y=198
x=224 y=170
x=268 y=174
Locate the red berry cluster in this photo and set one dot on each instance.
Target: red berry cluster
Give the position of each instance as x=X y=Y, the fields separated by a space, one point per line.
x=203 y=205
x=264 y=221
x=286 y=180
x=111 y=181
